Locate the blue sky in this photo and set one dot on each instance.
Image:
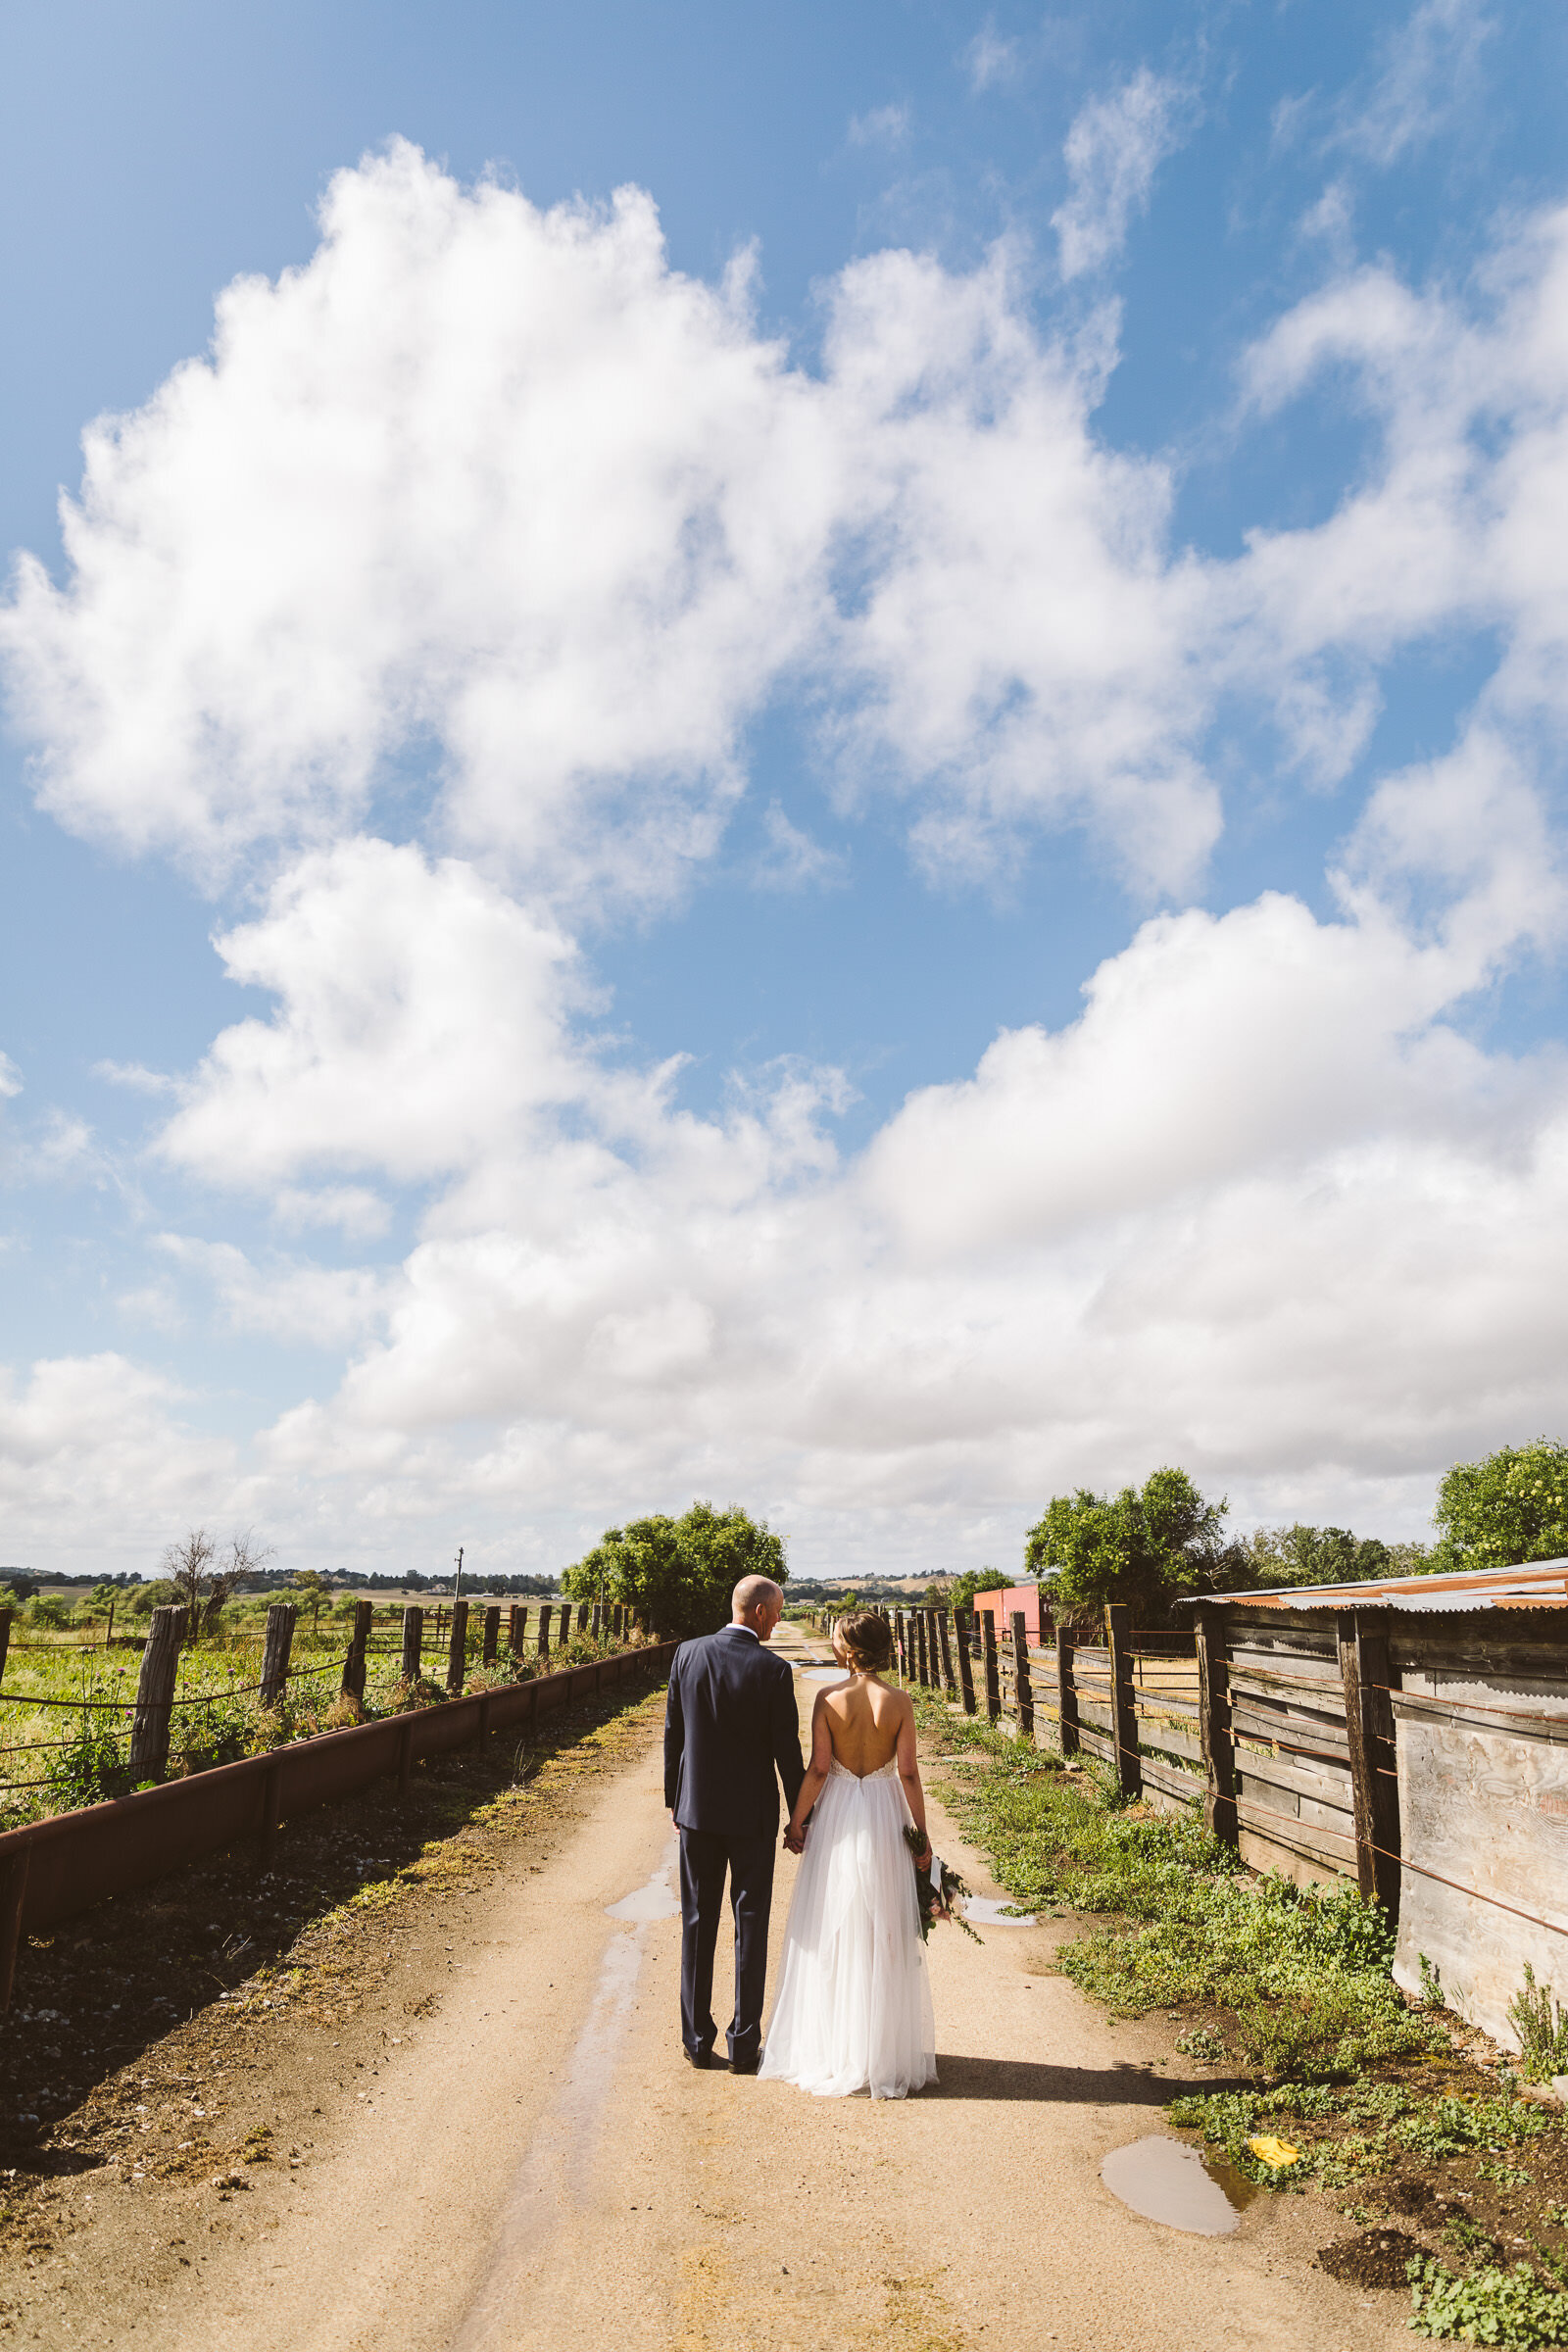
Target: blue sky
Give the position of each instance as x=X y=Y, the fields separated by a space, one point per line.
x=1104 y=545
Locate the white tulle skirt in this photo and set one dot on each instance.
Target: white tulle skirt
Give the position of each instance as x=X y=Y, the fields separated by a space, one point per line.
x=854 y=2007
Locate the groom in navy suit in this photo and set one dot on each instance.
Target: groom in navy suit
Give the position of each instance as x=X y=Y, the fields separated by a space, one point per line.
x=731 y=1726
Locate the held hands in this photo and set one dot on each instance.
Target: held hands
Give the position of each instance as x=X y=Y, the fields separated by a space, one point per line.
x=794 y=1838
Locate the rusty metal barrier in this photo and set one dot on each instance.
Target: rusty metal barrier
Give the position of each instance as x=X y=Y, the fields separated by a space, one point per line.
x=50 y=1870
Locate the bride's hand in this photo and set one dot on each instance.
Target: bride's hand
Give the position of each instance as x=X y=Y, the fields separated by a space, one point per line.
x=922 y=1860
x=795 y=1839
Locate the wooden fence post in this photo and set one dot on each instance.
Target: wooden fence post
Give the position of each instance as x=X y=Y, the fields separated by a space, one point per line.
x=155 y=1695
x=12 y=1890
x=1369 y=1724
x=412 y=1643
x=948 y=1683
x=1123 y=1698
x=582 y=1616
x=597 y=1621
x=988 y=1636
x=517 y=1630
x=354 y=1663
x=1026 y=1687
x=457 y=1647
x=275 y=1649
x=1066 y=1695
x=1215 y=1734
x=919 y=1649
x=899 y=1645
x=492 y=1633
x=5 y=1640
x=544 y=1632
x=960 y=1635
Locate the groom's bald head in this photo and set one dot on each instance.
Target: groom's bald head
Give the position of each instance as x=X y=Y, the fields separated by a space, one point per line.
x=757 y=1601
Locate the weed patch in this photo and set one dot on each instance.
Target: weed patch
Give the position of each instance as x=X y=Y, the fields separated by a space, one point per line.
x=1489 y=2306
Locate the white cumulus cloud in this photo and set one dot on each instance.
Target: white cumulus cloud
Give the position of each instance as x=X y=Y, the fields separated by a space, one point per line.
x=492 y=505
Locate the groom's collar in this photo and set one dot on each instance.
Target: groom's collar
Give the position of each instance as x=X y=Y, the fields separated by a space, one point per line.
x=748 y=1631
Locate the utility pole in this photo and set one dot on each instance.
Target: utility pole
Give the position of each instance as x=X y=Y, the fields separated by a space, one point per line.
x=456 y=1590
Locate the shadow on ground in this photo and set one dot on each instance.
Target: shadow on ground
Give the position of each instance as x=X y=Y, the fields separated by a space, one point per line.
x=1128 y=2086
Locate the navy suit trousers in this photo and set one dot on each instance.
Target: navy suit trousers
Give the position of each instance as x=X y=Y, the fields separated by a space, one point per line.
x=705 y=1856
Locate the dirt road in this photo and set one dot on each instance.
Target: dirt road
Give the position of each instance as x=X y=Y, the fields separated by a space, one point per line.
x=533 y=2165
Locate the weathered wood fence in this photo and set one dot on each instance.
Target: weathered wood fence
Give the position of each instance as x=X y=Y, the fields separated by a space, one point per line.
x=1297 y=1735
x=1255 y=1727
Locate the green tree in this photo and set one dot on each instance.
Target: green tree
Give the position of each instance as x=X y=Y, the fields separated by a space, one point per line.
x=961 y=1591
x=1511 y=1507
x=313 y=1588
x=679 y=1573
x=1321 y=1555
x=156 y=1593
x=1145 y=1545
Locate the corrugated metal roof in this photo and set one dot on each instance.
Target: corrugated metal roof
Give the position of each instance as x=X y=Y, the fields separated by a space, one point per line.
x=1537 y=1584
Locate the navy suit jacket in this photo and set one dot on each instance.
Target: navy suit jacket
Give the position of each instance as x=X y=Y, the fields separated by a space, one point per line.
x=730 y=1725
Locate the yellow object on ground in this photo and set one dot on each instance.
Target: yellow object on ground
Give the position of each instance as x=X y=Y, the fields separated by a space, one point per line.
x=1275 y=2153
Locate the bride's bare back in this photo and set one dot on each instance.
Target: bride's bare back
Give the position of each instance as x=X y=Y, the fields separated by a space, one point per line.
x=862 y=1720
x=860 y=1725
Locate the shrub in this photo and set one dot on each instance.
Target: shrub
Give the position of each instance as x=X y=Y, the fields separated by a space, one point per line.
x=91 y=1768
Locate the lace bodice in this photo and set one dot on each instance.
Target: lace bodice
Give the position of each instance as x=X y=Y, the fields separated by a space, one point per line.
x=883 y=1772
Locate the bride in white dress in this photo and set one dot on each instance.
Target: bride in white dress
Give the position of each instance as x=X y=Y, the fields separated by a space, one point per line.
x=854 y=2007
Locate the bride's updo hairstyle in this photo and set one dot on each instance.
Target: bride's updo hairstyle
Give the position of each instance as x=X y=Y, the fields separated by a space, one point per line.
x=867 y=1640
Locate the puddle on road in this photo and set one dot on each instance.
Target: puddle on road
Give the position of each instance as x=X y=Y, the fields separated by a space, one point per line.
x=1168 y=2181
x=987 y=1911
x=658 y=1899
x=822 y=1674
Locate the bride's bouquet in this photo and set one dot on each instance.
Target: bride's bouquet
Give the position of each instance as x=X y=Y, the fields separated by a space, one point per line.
x=936 y=1888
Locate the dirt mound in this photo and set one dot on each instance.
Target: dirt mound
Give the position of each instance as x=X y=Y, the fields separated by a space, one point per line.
x=1377 y=2258
x=1418 y=2198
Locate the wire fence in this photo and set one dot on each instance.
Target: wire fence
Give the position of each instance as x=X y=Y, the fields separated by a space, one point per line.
x=192 y=1692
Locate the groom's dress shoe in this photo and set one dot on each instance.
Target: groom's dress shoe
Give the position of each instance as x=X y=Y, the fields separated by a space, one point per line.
x=744 y=2065
x=701 y=2059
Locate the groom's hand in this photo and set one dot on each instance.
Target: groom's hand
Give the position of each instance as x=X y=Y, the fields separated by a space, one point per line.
x=793 y=1839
